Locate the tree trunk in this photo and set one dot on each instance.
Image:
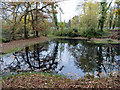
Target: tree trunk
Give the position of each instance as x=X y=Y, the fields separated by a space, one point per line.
x=36 y=33
x=33 y=23
x=25 y=30
x=36 y=22
x=27 y=56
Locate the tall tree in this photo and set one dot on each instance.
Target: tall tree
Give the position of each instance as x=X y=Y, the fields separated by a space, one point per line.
x=36 y=19
x=90 y=16
x=25 y=13
x=54 y=14
x=103 y=12
x=111 y=18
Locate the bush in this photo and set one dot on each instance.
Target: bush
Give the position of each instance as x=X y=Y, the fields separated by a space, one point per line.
x=99 y=33
x=90 y=32
x=68 y=32
x=85 y=32
x=45 y=32
x=5 y=40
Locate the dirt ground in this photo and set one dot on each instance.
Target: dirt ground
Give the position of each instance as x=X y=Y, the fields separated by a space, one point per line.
x=6 y=47
x=38 y=81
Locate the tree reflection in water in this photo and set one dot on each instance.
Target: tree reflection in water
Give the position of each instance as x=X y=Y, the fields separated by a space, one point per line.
x=96 y=58
x=31 y=59
x=83 y=56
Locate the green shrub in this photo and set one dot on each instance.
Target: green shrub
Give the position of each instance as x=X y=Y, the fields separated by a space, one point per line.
x=74 y=32
x=88 y=32
x=99 y=33
x=5 y=40
x=45 y=32
x=68 y=32
x=108 y=39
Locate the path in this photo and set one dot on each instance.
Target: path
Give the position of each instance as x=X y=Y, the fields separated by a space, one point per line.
x=6 y=47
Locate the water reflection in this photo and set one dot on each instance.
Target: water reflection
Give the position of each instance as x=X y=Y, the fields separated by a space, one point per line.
x=100 y=58
x=32 y=58
x=64 y=56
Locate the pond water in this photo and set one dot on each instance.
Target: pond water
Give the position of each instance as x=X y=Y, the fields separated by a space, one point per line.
x=64 y=56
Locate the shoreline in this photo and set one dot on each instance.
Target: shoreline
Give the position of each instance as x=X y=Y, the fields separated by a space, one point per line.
x=92 y=40
x=19 y=44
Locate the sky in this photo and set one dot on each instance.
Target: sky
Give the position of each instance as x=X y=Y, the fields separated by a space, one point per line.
x=69 y=8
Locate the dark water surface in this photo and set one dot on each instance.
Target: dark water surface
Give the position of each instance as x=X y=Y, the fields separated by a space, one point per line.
x=64 y=56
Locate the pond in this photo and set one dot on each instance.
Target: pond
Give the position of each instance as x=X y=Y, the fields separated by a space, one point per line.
x=70 y=57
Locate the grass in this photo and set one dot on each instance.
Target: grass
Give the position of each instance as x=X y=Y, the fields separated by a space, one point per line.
x=30 y=73
x=104 y=41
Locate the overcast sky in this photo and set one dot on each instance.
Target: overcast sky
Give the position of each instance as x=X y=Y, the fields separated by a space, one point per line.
x=69 y=9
